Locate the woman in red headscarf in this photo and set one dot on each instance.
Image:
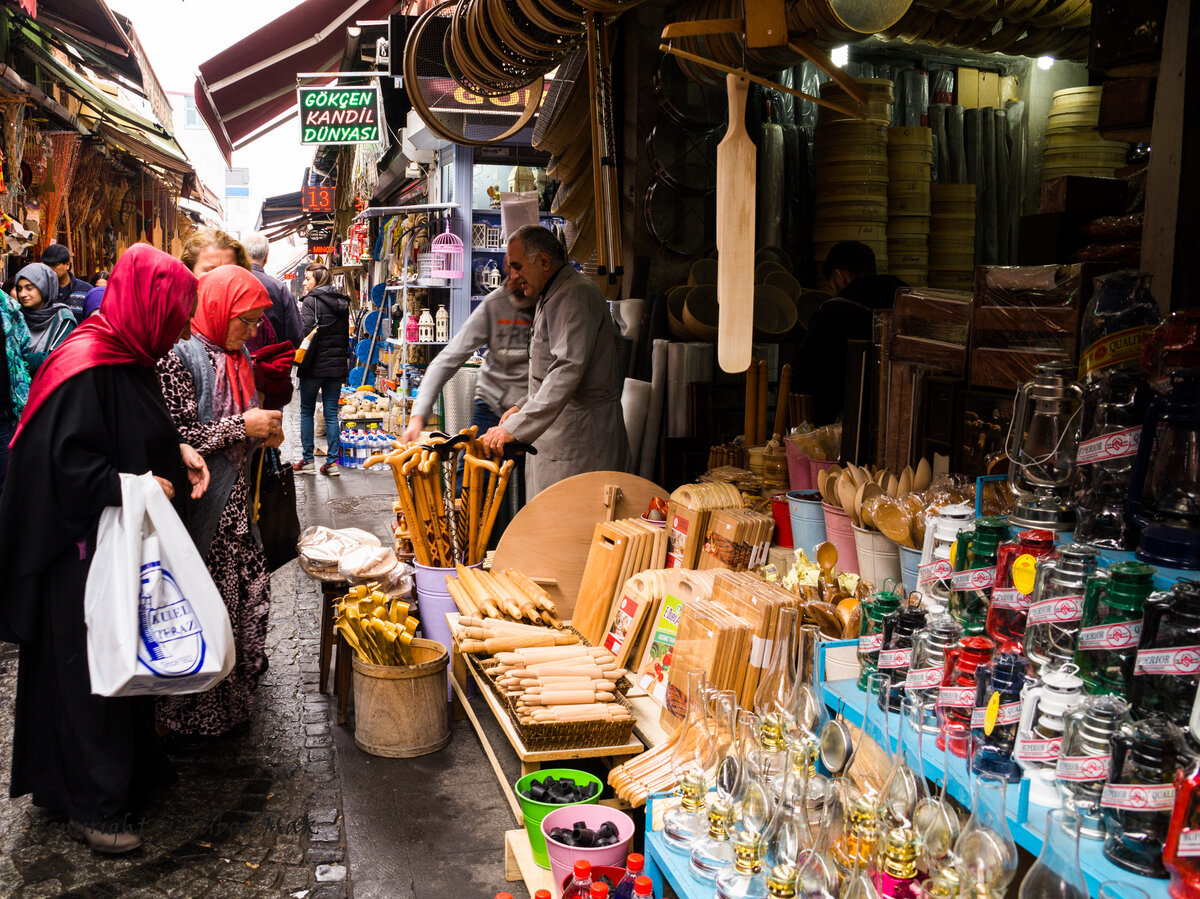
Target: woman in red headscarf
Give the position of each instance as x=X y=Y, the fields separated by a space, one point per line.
x=208 y=384
x=95 y=410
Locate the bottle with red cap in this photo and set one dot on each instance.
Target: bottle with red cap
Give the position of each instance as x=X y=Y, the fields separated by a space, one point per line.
x=542 y=894
x=633 y=869
x=599 y=891
x=643 y=888
x=580 y=886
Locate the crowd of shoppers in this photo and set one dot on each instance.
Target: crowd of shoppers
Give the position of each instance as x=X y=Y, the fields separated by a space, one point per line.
x=149 y=370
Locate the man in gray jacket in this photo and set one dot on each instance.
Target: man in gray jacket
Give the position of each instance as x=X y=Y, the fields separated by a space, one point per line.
x=572 y=412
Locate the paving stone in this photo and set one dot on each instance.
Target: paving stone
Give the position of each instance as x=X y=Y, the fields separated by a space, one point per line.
x=324 y=854
x=325 y=833
x=323 y=816
x=316 y=730
x=331 y=873
x=285 y=855
x=318 y=742
x=329 y=891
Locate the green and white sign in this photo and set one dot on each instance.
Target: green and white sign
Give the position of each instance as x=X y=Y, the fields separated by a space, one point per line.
x=339 y=115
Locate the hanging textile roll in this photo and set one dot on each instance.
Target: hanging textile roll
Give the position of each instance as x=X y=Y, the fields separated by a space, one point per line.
x=770 y=186
x=957 y=145
x=941 y=146
x=1016 y=162
x=988 y=186
x=972 y=146
x=1005 y=251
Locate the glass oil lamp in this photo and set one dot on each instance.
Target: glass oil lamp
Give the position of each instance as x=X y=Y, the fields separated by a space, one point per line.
x=904 y=787
x=1164 y=488
x=1056 y=873
x=775 y=693
x=855 y=850
x=987 y=855
x=1016 y=572
x=1041 y=447
x=1056 y=607
x=897 y=875
x=924 y=676
x=895 y=656
x=1086 y=757
x=1140 y=794
x=870 y=639
x=997 y=715
x=1112 y=625
x=817 y=873
x=936 y=569
x=1181 y=854
x=744 y=878
x=975 y=572
x=1166 y=669
x=1040 y=734
x=713 y=850
x=956 y=696
x=692 y=762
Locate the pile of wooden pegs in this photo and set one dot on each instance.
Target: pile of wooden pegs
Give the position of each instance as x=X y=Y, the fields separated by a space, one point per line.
x=449 y=515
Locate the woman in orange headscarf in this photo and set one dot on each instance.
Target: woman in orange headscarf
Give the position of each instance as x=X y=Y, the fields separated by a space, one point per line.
x=208 y=385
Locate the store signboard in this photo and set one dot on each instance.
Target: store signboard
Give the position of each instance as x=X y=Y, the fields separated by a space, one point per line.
x=320 y=240
x=339 y=115
x=316 y=198
x=453 y=97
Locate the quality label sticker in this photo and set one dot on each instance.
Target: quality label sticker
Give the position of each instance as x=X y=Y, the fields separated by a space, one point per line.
x=1138 y=797
x=973 y=579
x=1064 y=610
x=1106 y=447
x=937 y=570
x=1113 y=350
x=870 y=642
x=1083 y=767
x=1180 y=660
x=923 y=678
x=1189 y=844
x=1111 y=636
x=956 y=697
x=1038 y=750
x=1010 y=598
x=996 y=714
x=895 y=658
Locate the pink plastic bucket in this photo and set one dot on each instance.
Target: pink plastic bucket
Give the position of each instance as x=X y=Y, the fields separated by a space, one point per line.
x=816 y=465
x=563 y=858
x=799 y=475
x=839 y=531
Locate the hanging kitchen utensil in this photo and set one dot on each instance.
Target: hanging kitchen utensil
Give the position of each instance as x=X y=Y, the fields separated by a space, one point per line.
x=686 y=160
x=679 y=222
x=685 y=102
x=736 y=164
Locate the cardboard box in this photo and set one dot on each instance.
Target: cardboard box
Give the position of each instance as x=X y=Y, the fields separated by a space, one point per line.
x=968 y=87
x=1085 y=195
x=989 y=90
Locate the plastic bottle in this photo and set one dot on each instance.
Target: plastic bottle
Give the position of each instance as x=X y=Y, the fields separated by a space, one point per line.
x=599 y=891
x=643 y=888
x=581 y=886
x=542 y=894
x=633 y=869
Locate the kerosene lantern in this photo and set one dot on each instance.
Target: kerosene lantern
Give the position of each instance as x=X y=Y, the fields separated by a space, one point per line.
x=941 y=530
x=1140 y=794
x=974 y=575
x=895 y=655
x=1016 y=571
x=1052 y=624
x=956 y=696
x=1164 y=490
x=870 y=640
x=1040 y=735
x=1166 y=669
x=997 y=714
x=1181 y=854
x=1041 y=448
x=1112 y=625
x=1086 y=757
x=928 y=663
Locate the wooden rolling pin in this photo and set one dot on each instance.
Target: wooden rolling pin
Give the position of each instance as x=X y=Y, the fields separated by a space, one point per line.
x=760 y=415
x=751 y=404
x=781 y=398
x=565 y=697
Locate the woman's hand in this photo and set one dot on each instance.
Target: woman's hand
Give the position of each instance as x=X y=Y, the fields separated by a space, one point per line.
x=166 y=486
x=197 y=470
x=264 y=425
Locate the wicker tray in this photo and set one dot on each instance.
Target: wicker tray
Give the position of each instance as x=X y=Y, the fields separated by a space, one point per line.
x=564 y=735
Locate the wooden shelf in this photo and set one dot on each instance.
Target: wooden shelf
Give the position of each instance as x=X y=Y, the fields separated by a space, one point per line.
x=519 y=863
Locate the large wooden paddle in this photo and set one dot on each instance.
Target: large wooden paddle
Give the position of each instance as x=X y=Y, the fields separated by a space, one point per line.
x=736 y=160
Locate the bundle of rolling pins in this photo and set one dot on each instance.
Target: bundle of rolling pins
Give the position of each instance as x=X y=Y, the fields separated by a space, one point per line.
x=556 y=684
x=479 y=636
x=508 y=595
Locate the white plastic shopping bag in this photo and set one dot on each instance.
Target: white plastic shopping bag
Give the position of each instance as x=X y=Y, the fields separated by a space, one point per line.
x=156 y=623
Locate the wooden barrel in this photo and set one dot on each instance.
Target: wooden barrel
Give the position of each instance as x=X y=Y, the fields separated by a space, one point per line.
x=400 y=711
x=849 y=151
x=909 y=171
x=850 y=130
x=878 y=108
x=916 y=189
x=852 y=192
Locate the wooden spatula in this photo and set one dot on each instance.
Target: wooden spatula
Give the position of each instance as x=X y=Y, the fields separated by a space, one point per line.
x=736 y=161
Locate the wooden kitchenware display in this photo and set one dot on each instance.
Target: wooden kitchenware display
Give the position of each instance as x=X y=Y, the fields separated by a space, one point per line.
x=1073 y=143
x=1057 y=28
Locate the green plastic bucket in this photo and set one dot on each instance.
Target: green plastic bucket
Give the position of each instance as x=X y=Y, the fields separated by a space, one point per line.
x=534 y=811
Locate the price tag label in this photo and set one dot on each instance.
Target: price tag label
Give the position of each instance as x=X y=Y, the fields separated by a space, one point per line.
x=973 y=579
x=1064 y=610
x=1024 y=572
x=1010 y=598
x=1111 y=636
x=869 y=643
x=937 y=570
x=1116 y=445
x=956 y=697
x=1138 y=797
x=1083 y=767
x=1038 y=750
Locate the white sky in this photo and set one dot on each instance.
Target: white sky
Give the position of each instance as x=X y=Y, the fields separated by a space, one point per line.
x=179 y=35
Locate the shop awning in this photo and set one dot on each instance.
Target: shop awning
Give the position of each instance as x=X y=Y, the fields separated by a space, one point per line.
x=92 y=22
x=249 y=87
x=281 y=215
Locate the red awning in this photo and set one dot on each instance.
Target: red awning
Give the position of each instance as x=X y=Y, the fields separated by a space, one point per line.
x=248 y=87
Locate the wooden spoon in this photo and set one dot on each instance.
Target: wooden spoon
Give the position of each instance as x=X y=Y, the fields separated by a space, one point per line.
x=923 y=476
x=895 y=522
x=827 y=556
x=822 y=477
x=906 y=480
x=846 y=493
x=860 y=476
x=865 y=492
x=891 y=485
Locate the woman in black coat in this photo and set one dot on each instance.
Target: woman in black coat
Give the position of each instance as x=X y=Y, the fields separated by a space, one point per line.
x=325 y=365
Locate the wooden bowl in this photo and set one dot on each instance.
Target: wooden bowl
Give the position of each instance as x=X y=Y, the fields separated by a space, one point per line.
x=774 y=312
x=703 y=271
x=700 y=311
x=675 y=298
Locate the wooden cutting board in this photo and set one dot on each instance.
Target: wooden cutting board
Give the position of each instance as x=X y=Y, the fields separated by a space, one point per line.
x=601 y=578
x=736 y=184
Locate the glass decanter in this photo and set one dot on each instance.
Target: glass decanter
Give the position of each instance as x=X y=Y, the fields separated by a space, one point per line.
x=713 y=851
x=1056 y=873
x=905 y=784
x=692 y=762
x=774 y=696
x=987 y=855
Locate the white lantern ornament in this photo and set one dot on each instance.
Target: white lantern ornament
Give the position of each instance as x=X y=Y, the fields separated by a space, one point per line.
x=442 y=325
x=425 y=327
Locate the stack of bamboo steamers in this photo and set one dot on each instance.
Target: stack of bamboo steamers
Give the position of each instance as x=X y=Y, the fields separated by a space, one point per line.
x=910 y=171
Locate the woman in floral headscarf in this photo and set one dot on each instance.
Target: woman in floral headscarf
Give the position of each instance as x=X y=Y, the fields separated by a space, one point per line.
x=208 y=384
x=94 y=410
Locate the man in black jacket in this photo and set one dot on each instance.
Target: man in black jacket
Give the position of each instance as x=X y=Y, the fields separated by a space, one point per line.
x=72 y=291
x=325 y=366
x=284 y=315
x=860 y=292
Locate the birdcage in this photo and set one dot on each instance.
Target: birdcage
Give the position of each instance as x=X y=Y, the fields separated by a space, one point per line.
x=447 y=250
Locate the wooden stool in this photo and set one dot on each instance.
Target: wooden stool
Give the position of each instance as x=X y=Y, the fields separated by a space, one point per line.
x=333 y=588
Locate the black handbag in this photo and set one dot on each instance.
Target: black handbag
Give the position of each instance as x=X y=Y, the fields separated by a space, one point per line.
x=275 y=508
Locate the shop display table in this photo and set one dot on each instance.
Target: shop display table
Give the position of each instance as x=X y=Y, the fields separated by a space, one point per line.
x=666 y=864
x=1026 y=821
